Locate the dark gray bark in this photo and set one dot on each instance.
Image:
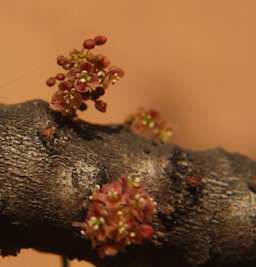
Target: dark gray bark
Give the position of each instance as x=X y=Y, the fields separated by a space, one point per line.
x=206 y=202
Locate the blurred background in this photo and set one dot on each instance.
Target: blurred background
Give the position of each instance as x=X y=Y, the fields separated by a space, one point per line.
x=192 y=60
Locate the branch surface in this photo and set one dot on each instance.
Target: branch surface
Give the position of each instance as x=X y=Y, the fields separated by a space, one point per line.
x=206 y=201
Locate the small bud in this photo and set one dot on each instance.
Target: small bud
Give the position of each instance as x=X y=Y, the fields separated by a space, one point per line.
x=98 y=92
x=83 y=107
x=51 y=81
x=101 y=105
x=89 y=44
x=67 y=65
x=61 y=60
x=60 y=76
x=100 y=39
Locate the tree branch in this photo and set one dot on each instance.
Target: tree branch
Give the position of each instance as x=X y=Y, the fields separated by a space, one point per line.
x=206 y=202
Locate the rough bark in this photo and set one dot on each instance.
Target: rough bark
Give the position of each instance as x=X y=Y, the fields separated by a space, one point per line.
x=206 y=202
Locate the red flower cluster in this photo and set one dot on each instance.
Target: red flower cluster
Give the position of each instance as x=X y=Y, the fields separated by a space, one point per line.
x=119 y=215
x=86 y=77
x=148 y=122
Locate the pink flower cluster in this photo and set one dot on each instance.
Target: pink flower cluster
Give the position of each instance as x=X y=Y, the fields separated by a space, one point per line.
x=119 y=214
x=86 y=77
x=149 y=123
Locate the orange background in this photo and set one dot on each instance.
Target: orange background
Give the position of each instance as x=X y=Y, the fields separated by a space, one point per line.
x=194 y=60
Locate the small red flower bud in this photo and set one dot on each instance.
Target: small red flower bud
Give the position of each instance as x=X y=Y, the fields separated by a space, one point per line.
x=100 y=105
x=97 y=93
x=83 y=107
x=67 y=65
x=100 y=39
x=100 y=91
x=60 y=76
x=61 y=60
x=89 y=44
x=51 y=81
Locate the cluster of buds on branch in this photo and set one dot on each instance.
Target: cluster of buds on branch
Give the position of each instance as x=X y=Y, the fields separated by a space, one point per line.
x=86 y=77
x=120 y=214
x=149 y=123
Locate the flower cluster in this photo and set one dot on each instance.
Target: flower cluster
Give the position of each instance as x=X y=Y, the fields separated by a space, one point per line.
x=119 y=214
x=86 y=76
x=149 y=123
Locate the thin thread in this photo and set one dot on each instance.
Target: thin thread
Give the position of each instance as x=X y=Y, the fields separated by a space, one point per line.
x=27 y=74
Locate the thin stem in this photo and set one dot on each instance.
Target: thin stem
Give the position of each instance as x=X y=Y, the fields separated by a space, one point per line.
x=87 y=53
x=64 y=261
